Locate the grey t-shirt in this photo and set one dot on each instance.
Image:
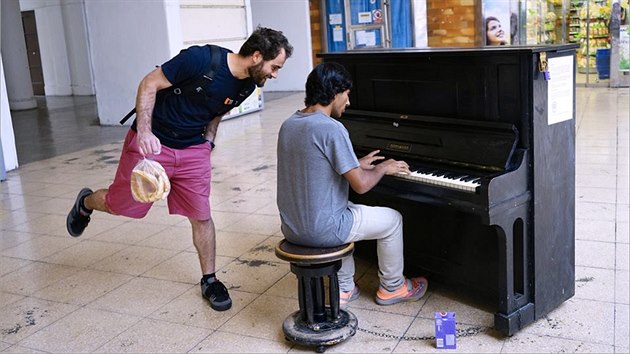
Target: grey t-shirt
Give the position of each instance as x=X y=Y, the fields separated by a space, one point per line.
x=314 y=151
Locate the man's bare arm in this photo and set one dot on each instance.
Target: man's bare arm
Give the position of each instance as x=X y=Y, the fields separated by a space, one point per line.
x=145 y=101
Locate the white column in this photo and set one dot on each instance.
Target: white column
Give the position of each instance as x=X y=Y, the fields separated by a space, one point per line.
x=8 y=160
x=18 y=77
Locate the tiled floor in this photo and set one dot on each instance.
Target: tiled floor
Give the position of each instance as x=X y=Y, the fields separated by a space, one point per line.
x=131 y=285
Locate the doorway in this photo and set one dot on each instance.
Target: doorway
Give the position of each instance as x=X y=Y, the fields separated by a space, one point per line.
x=32 y=52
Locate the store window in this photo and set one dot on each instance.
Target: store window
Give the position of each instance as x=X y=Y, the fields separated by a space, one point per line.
x=372 y=24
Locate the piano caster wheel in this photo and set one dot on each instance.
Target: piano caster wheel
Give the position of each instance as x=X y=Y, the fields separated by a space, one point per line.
x=320 y=349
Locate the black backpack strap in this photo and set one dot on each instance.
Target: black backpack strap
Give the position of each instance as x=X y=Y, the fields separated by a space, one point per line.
x=191 y=86
x=126 y=118
x=188 y=87
x=215 y=61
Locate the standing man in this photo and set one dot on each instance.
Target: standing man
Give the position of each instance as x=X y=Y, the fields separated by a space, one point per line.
x=178 y=131
x=316 y=167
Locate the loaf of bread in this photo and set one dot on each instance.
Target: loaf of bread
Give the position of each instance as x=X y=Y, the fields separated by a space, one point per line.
x=149 y=182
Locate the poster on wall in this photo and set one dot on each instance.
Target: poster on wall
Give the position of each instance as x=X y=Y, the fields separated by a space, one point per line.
x=496 y=20
x=624 y=49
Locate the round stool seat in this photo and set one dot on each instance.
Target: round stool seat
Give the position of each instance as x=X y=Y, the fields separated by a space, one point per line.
x=293 y=253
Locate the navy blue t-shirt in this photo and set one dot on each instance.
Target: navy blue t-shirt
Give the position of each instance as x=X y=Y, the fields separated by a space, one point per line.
x=179 y=121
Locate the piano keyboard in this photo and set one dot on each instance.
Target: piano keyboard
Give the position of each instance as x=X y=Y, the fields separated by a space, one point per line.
x=443 y=179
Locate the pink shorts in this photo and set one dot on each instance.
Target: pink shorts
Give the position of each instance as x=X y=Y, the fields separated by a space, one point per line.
x=188 y=171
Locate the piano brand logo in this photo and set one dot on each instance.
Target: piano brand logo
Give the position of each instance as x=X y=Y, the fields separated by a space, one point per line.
x=399 y=147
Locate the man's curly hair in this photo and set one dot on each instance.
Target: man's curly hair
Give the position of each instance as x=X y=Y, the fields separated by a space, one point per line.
x=324 y=82
x=268 y=42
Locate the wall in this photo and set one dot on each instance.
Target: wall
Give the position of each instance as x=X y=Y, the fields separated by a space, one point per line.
x=292 y=18
x=453 y=23
x=127 y=40
x=226 y=23
x=75 y=31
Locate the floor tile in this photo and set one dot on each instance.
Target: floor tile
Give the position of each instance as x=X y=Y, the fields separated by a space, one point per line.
x=140 y=296
x=11 y=239
x=7 y=299
x=622 y=330
x=623 y=251
x=129 y=233
x=594 y=284
x=235 y=244
x=29 y=315
x=622 y=287
x=222 y=342
x=577 y=319
x=533 y=343
x=82 y=287
x=256 y=224
x=595 y=254
x=34 y=277
x=377 y=332
x=84 y=253
x=262 y=318
x=134 y=260
x=9 y=264
x=255 y=276
x=38 y=248
x=82 y=331
x=182 y=267
x=191 y=309
x=174 y=238
x=152 y=336
x=595 y=230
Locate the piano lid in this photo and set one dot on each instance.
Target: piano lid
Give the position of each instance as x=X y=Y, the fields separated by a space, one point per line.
x=466 y=144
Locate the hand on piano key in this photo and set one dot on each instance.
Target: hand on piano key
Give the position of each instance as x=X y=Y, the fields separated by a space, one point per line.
x=367 y=161
x=395 y=167
x=443 y=179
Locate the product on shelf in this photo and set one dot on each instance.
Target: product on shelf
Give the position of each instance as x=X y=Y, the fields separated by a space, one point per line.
x=594 y=18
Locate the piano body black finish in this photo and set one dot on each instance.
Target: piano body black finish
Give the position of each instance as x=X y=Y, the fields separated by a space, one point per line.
x=480 y=112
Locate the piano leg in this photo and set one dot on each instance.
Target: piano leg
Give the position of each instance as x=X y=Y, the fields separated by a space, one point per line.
x=515 y=302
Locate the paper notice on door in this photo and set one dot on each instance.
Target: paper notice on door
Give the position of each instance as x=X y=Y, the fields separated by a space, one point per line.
x=365 y=17
x=560 y=89
x=334 y=19
x=365 y=38
x=338 y=34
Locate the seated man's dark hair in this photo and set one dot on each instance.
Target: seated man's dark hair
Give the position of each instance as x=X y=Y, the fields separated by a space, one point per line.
x=324 y=82
x=268 y=42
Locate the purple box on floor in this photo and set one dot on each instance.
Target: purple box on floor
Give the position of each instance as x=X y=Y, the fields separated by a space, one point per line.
x=445 y=330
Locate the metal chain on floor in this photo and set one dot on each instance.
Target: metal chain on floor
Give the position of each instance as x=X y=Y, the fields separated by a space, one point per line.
x=466 y=332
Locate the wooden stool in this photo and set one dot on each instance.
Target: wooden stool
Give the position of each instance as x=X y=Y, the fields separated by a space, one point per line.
x=316 y=324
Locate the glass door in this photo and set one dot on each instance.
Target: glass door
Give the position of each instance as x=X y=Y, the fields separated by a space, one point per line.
x=593 y=56
x=367 y=24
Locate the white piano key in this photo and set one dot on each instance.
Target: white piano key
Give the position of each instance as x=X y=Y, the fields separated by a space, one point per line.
x=430 y=179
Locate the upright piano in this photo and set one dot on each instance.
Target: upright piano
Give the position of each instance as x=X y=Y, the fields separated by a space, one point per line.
x=489 y=134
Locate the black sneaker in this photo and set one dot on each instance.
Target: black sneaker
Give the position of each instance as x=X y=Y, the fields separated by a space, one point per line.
x=217 y=294
x=77 y=222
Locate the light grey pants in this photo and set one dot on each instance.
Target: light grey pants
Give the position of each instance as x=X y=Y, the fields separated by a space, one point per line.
x=385 y=226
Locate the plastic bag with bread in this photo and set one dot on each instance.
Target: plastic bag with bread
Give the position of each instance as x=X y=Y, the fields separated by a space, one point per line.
x=149 y=182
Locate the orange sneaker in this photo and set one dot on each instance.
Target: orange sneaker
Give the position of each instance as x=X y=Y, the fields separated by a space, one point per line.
x=349 y=296
x=411 y=290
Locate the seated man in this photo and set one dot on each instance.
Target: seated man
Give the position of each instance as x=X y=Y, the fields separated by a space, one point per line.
x=316 y=165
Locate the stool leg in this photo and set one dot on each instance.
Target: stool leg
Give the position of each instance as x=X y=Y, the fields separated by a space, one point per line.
x=307 y=309
x=319 y=299
x=333 y=287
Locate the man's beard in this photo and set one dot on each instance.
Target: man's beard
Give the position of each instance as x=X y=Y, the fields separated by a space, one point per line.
x=257 y=74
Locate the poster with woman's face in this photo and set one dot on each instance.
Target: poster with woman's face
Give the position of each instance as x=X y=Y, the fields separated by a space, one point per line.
x=496 y=22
